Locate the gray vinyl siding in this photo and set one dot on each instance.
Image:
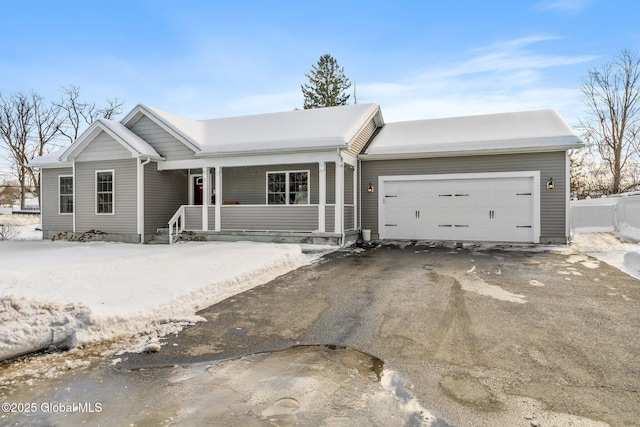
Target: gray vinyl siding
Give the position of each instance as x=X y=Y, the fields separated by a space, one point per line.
x=348 y=185
x=103 y=147
x=124 y=220
x=362 y=138
x=248 y=185
x=270 y=218
x=193 y=218
x=348 y=218
x=552 y=164
x=52 y=221
x=329 y=218
x=164 y=143
x=164 y=193
x=212 y=218
x=331 y=182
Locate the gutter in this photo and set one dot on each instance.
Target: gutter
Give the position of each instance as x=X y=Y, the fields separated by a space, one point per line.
x=457 y=153
x=268 y=151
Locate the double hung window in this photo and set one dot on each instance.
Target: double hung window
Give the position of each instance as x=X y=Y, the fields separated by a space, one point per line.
x=288 y=188
x=65 y=191
x=105 y=192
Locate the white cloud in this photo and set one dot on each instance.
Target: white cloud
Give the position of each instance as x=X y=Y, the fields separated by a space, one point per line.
x=571 y=6
x=508 y=76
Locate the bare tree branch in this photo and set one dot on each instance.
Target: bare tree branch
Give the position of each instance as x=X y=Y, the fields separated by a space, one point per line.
x=612 y=95
x=79 y=114
x=16 y=124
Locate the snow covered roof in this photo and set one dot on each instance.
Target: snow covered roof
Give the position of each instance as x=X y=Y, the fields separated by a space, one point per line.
x=49 y=160
x=320 y=128
x=542 y=130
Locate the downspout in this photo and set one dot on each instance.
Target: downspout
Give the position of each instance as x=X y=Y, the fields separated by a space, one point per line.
x=141 y=197
x=359 y=224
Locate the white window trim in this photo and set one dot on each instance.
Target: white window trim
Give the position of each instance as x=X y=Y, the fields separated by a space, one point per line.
x=72 y=195
x=113 y=192
x=287 y=174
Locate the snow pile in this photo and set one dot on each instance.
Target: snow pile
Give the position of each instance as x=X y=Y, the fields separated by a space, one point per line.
x=628 y=233
x=632 y=263
x=608 y=248
x=64 y=293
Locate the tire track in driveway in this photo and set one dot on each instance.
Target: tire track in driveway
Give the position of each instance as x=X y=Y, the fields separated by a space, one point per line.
x=456 y=323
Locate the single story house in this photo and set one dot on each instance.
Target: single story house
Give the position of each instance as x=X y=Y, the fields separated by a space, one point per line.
x=320 y=175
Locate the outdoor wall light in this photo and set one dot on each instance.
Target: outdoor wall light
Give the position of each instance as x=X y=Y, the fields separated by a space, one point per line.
x=550 y=184
x=370 y=188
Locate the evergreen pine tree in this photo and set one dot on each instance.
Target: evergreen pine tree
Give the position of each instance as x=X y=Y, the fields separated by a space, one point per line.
x=327 y=84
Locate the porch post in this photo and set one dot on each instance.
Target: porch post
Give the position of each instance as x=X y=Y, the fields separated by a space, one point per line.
x=339 y=196
x=322 y=195
x=218 y=183
x=206 y=198
x=355 y=196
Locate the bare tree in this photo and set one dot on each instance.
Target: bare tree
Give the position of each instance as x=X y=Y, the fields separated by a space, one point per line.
x=16 y=124
x=612 y=98
x=47 y=123
x=29 y=127
x=78 y=114
x=9 y=191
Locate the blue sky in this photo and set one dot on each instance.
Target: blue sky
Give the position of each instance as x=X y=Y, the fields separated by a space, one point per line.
x=417 y=59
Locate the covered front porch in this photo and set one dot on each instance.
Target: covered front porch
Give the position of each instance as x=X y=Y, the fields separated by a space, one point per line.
x=306 y=202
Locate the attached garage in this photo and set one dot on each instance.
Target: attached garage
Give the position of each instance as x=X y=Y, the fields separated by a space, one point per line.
x=473 y=207
x=476 y=178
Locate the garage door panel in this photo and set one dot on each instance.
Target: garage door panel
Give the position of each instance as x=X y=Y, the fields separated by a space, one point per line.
x=486 y=209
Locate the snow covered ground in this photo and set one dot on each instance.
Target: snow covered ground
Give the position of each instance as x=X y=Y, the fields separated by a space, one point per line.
x=607 y=247
x=68 y=294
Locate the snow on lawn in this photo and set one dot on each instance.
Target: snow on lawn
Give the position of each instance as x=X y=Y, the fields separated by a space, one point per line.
x=23 y=227
x=67 y=294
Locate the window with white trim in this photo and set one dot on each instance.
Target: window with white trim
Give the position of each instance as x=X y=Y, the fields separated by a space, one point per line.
x=65 y=192
x=288 y=188
x=105 y=192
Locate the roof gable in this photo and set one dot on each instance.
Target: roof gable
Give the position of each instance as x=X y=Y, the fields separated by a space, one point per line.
x=130 y=141
x=187 y=131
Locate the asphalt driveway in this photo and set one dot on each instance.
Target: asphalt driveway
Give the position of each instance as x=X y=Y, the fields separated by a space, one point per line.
x=481 y=337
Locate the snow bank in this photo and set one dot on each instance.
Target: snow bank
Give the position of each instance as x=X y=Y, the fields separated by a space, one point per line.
x=628 y=233
x=608 y=248
x=64 y=293
x=632 y=263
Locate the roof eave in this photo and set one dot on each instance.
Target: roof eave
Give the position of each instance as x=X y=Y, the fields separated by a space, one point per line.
x=466 y=153
x=269 y=151
x=50 y=165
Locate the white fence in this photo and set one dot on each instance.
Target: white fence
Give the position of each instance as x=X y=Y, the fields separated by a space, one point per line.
x=605 y=214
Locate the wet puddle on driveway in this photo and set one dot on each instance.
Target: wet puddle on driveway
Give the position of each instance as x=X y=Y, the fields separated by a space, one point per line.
x=303 y=385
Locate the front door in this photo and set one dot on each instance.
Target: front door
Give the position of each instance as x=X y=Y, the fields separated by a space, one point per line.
x=198 y=187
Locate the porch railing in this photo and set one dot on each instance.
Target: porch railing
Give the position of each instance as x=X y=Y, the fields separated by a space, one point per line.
x=247 y=218
x=176 y=224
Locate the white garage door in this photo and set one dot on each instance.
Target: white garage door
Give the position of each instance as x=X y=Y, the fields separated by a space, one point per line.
x=474 y=208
